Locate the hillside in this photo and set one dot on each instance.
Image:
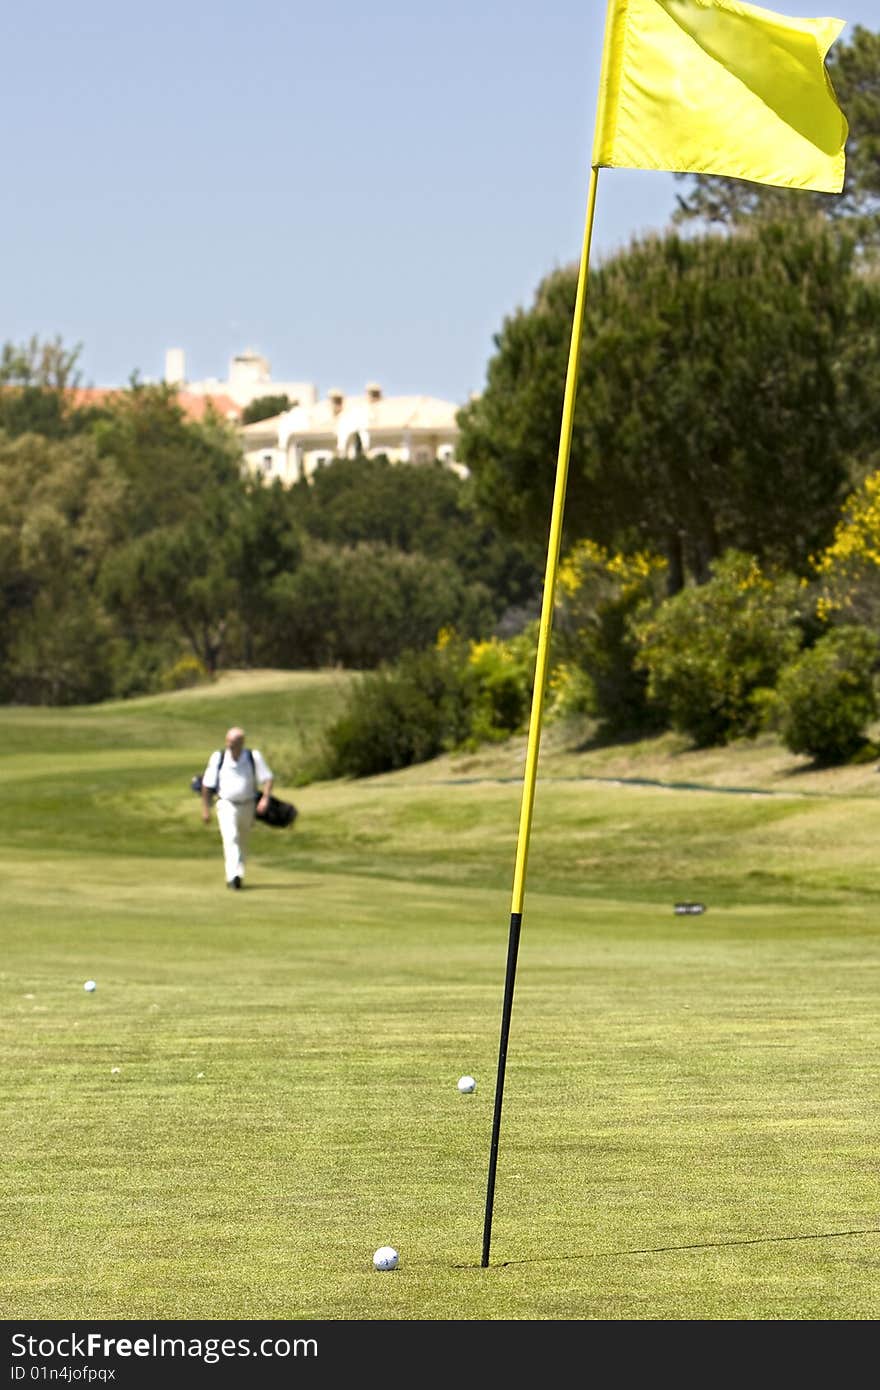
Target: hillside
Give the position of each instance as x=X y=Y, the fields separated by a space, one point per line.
x=761 y=764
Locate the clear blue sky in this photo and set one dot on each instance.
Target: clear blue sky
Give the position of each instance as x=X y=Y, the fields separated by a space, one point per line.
x=360 y=191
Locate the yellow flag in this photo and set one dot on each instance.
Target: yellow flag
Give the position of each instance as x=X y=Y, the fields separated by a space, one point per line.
x=719 y=87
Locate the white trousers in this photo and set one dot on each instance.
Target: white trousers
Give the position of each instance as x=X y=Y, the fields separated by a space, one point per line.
x=235 y=820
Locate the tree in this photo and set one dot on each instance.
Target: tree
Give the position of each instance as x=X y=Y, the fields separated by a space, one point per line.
x=207 y=577
x=168 y=464
x=265 y=408
x=173 y=549
x=53 y=632
x=416 y=508
x=62 y=654
x=264 y=545
x=50 y=365
x=854 y=69
x=37 y=382
x=138 y=541
x=174 y=577
x=725 y=399
x=361 y=605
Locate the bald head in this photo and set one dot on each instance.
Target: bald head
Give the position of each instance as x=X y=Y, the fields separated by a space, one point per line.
x=235 y=740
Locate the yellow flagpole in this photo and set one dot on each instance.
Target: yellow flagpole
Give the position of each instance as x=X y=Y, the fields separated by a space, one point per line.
x=553 y=547
x=539 y=688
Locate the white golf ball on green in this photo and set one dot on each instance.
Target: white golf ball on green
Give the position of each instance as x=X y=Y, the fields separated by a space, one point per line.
x=386 y=1257
x=90 y=986
x=466 y=1084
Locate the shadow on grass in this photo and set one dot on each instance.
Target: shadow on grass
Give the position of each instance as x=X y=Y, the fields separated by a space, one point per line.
x=866 y=752
x=601 y=737
x=277 y=887
x=695 y=1245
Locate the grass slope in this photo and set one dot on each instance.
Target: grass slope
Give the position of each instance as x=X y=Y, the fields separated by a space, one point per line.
x=690 y=1106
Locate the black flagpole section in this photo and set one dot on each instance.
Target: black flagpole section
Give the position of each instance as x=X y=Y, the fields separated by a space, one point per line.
x=512 y=951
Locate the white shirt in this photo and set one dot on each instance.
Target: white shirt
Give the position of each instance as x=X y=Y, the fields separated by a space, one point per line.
x=237 y=781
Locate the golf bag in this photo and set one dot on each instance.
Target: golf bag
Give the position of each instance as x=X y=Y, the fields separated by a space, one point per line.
x=278 y=813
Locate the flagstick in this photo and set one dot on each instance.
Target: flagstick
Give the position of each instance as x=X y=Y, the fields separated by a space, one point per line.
x=541 y=663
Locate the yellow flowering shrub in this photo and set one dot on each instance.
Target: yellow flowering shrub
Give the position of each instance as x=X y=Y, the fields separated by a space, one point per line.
x=598 y=594
x=848 y=571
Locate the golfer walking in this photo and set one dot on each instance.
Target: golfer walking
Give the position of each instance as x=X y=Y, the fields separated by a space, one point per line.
x=235 y=772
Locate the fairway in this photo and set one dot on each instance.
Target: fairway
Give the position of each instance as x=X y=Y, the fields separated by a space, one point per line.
x=262 y=1088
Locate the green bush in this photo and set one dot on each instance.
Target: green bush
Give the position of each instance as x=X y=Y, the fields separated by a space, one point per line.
x=402 y=714
x=710 y=651
x=138 y=666
x=825 y=698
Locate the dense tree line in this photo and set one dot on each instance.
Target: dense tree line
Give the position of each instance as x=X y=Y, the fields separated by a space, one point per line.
x=137 y=553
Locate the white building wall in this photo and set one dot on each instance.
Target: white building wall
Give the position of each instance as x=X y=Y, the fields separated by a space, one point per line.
x=309 y=436
x=250 y=376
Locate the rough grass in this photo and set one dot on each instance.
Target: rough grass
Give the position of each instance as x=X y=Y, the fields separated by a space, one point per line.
x=262 y=1090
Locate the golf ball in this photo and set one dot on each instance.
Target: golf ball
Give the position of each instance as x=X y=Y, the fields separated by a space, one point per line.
x=89 y=986
x=386 y=1257
x=466 y=1084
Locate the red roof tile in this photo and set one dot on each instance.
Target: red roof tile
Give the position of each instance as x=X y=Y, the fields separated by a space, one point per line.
x=194 y=407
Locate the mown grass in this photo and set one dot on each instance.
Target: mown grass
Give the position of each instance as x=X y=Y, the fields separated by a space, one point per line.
x=262 y=1090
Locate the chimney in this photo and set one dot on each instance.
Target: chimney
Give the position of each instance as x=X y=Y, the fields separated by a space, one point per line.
x=175 y=367
x=374 y=392
x=336 y=397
